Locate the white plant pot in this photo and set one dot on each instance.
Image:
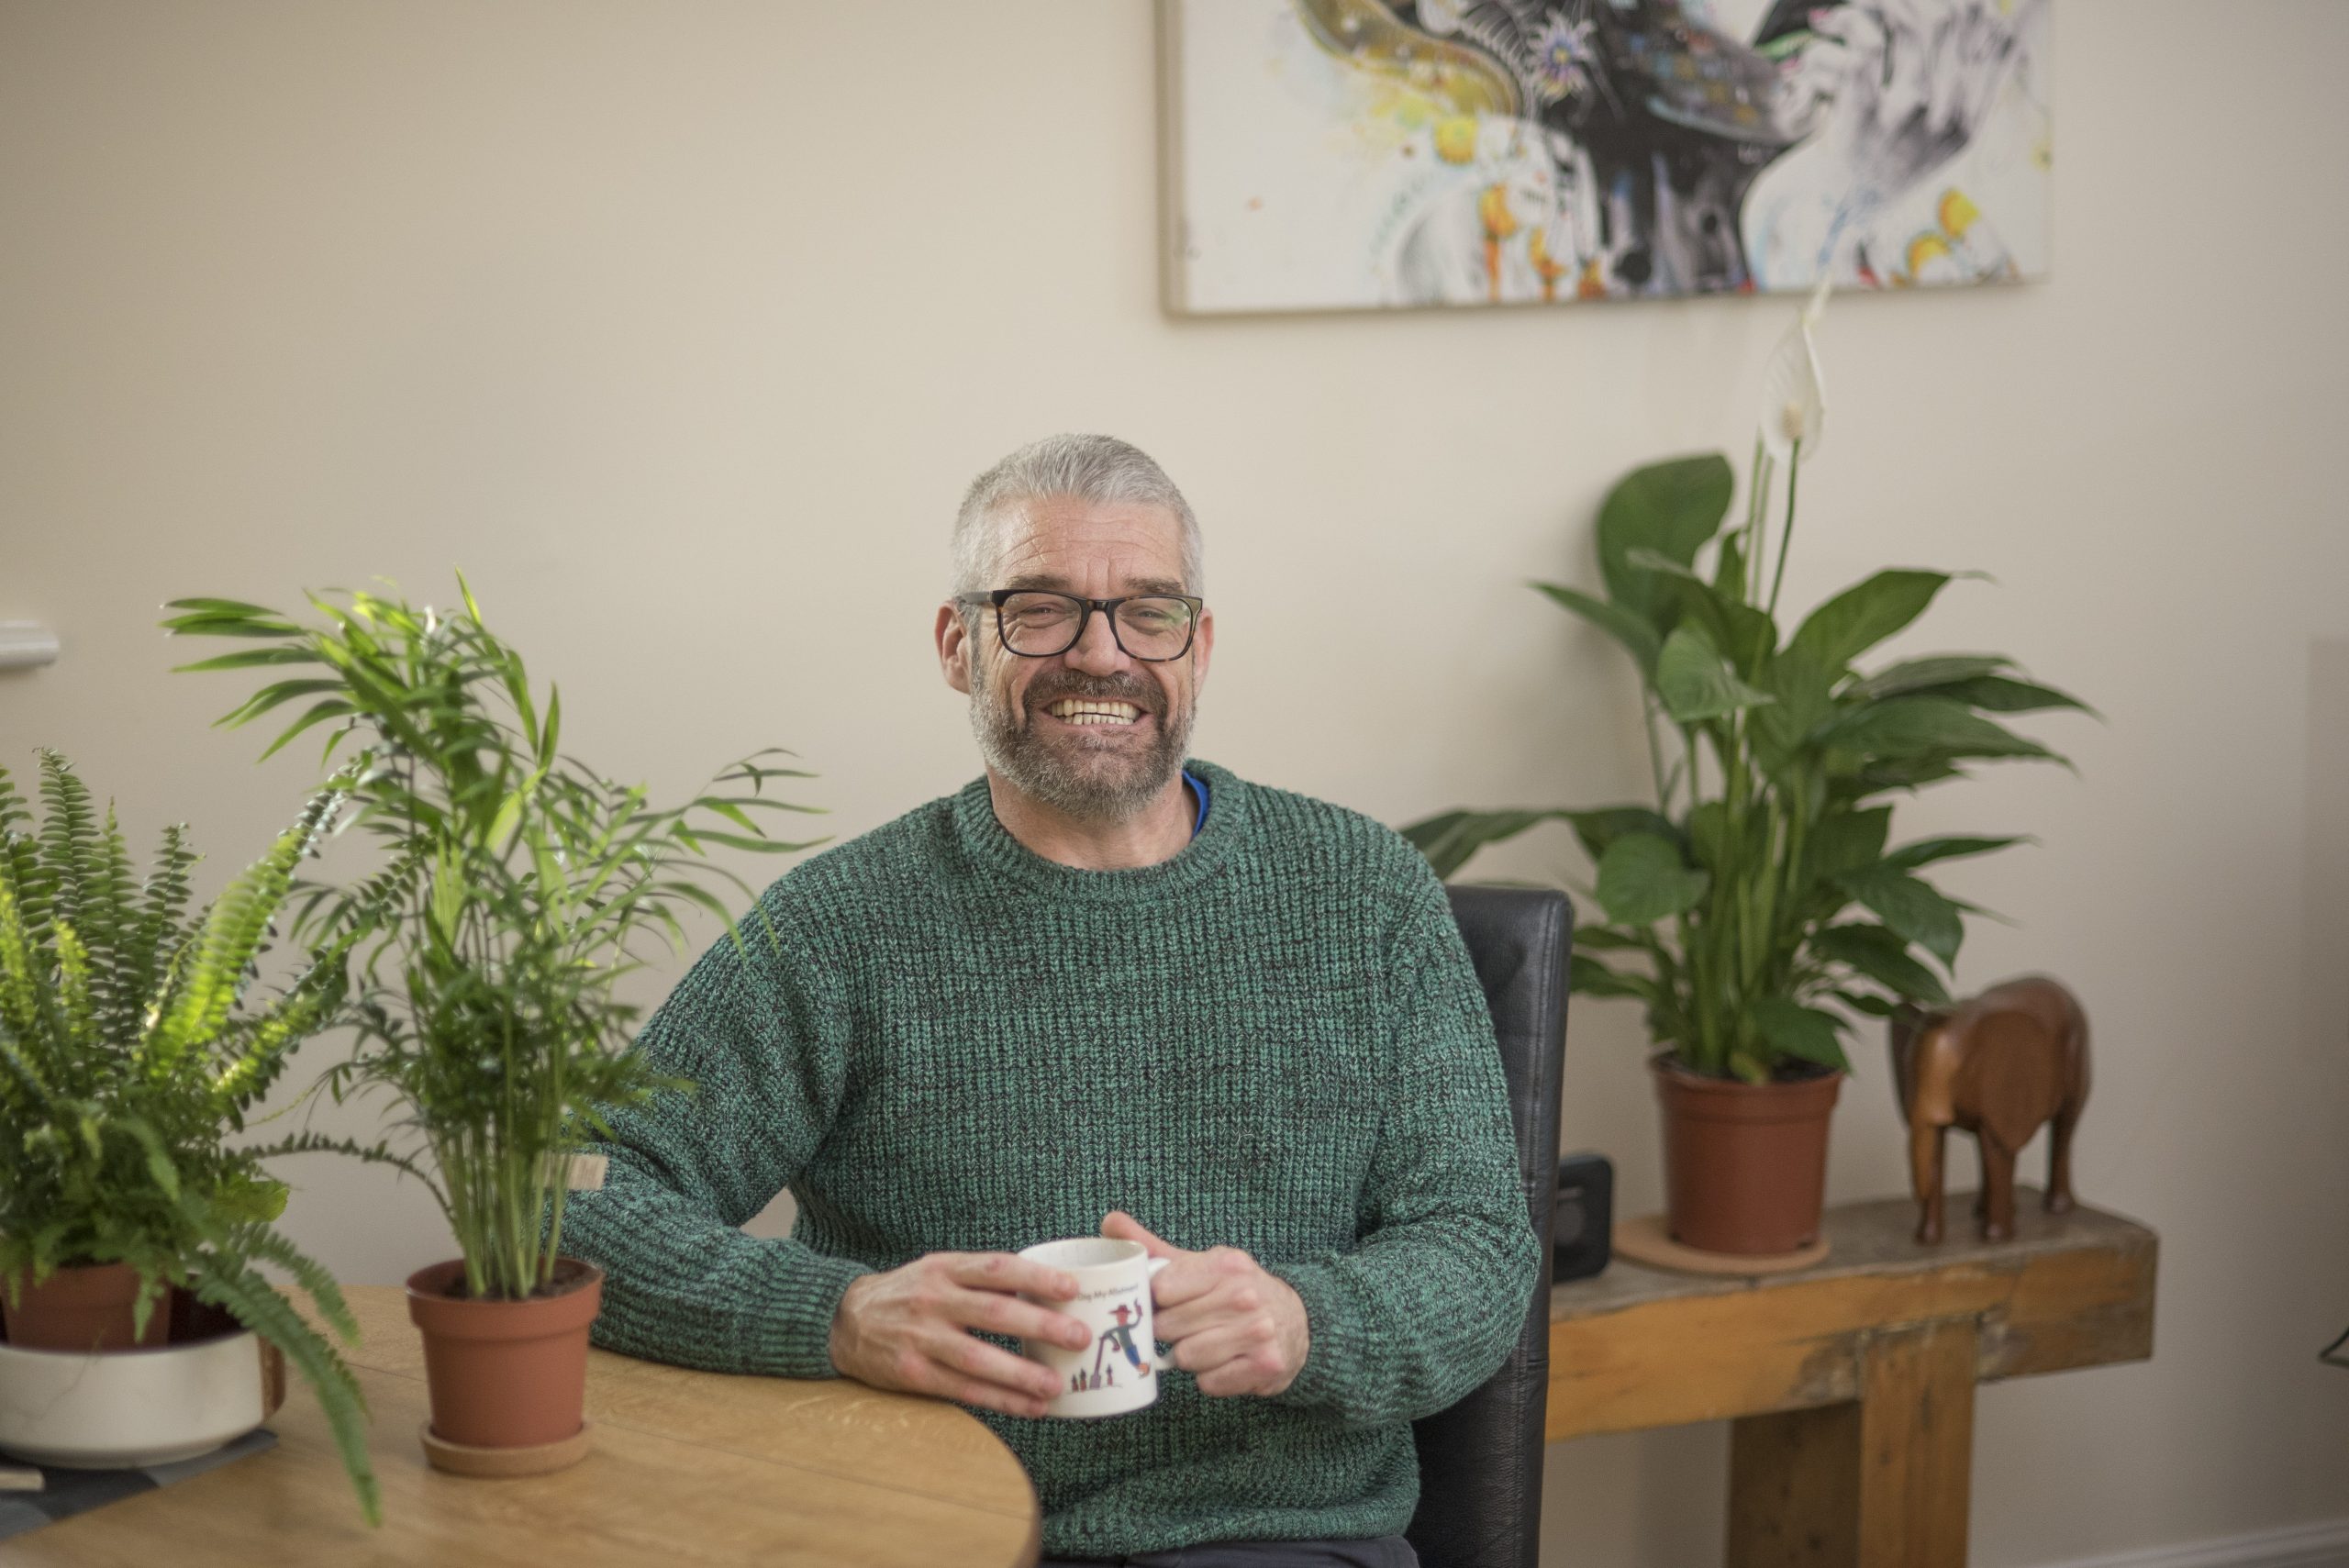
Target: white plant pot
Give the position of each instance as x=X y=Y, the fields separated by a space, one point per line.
x=126 y=1409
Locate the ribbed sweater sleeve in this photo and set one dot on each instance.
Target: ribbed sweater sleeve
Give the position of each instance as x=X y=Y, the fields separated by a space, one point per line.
x=762 y=1036
x=1426 y=1306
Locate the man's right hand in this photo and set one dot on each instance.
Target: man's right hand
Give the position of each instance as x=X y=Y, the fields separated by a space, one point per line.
x=910 y=1329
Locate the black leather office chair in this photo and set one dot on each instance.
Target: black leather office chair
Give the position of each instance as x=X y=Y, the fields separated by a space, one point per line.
x=1480 y=1462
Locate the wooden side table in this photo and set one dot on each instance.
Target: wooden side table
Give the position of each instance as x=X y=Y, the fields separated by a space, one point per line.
x=1852 y=1384
x=692 y=1467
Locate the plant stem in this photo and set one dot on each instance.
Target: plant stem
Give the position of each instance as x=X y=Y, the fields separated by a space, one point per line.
x=1786 y=540
x=1702 y=963
x=1766 y=897
x=1656 y=751
x=1797 y=836
x=1757 y=495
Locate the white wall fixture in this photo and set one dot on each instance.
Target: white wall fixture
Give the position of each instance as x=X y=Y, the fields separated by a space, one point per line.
x=25 y=643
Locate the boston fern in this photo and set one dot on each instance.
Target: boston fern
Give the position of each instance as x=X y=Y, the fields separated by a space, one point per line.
x=131 y=1048
x=515 y=888
x=1759 y=884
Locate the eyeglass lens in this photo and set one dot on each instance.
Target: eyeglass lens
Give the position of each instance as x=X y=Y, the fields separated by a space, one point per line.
x=1040 y=624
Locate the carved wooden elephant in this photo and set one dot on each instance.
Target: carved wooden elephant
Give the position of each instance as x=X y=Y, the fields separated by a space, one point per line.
x=1995 y=1066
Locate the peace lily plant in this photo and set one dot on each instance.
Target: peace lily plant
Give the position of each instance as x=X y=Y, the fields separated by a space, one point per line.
x=1757 y=901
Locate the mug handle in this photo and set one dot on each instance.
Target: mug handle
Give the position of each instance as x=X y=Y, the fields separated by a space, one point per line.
x=1159 y=1362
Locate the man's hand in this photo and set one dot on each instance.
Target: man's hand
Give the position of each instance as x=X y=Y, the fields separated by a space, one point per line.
x=910 y=1329
x=1235 y=1327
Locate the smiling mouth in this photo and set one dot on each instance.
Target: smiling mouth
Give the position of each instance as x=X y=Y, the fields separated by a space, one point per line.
x=1095 y=712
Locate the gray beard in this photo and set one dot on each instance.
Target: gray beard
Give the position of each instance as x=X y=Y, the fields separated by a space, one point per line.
x=1091 y=788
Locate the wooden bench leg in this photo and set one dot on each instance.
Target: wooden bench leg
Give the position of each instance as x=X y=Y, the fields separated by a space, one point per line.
x=1880 y=1484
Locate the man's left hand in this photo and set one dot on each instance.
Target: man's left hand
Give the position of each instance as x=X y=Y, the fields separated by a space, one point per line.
x=1233 y=1325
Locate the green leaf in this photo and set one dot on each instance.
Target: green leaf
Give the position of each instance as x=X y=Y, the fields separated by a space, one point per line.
x=318 y=713
x=1884 y=957
x=758 y=844
x=274 y=695
x=1591 y=978
x=551 y=732
x=1926 y=727
x=1671 y=507
x=1450 y=839
x=1744 y=633
x=1729 y=568
x=1913 y=907
x=247 y=1200
x=250 y=658
x=1794 y=1030
x=1801 y=687
x=1865 y=614
x=1695 y=684
x=1638 y=637
x=1925 y=852
x=2000 y=694
x=1911 y=773
x=1918 y=675
x=1846 y=841
x=1599 y=828
x=235 y=608
x=1867 y=1002
x=232 y=1283
x=1642 y=879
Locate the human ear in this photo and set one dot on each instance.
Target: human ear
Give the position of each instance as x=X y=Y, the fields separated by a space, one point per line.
x=1202 y=651
x=954 y=646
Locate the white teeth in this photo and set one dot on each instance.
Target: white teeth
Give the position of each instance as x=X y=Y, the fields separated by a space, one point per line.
x=1079 y=710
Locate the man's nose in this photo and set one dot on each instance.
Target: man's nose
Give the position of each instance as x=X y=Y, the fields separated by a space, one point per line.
x=1097 y=651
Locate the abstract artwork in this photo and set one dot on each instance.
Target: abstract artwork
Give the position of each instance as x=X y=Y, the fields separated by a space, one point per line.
x=1349 y=155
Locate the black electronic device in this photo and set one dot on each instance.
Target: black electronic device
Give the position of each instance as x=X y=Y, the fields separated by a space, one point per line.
x=1583 y=1233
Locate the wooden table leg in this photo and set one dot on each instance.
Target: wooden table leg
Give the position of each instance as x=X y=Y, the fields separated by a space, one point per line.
x=1880 y=1484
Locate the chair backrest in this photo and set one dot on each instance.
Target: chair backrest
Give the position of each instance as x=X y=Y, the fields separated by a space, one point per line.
x=1480 y=1462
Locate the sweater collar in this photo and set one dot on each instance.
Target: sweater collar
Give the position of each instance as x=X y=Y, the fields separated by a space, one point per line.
x=988 y=842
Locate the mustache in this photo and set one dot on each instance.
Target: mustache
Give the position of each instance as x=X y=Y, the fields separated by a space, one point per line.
x=1058 y=683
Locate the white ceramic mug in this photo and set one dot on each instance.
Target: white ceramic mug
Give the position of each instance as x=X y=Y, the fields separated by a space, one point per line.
x=1118 y=1370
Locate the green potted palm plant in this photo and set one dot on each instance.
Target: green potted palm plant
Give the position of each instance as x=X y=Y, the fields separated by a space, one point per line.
x=1757 y=902
x=131 y=1050
x=514 y=888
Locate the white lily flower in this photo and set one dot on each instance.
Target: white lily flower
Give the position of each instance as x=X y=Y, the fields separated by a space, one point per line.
x=1794 y=392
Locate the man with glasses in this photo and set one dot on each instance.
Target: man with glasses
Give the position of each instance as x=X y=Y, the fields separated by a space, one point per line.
x=1104 y=987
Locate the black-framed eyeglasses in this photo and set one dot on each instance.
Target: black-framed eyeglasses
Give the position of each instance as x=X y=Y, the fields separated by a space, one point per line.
x=1037 y=623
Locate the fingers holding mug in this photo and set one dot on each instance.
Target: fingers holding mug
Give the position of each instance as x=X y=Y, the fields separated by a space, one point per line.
x=1114 y=1366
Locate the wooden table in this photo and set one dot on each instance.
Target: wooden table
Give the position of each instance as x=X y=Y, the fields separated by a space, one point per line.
x=1852 y=1384
x=690 y=1468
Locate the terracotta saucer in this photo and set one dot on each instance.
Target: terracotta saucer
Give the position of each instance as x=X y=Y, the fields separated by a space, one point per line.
x=1645 y=1240
x=495 y=1464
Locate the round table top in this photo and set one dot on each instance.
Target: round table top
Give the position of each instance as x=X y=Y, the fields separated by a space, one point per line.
x=686 y=1466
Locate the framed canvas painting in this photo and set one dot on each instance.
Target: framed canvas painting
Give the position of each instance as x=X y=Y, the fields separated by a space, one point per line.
x=1355 y=154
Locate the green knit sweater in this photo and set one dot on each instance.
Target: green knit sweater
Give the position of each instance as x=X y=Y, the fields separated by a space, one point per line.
x=940 y=1041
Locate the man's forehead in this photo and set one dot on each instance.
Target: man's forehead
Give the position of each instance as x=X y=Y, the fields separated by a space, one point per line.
x=1059 y=538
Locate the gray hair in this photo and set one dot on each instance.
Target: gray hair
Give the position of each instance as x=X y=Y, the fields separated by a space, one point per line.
x=1087 y=468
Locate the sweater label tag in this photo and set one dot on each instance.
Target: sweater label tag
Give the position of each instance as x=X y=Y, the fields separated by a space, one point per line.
x=580 y=1172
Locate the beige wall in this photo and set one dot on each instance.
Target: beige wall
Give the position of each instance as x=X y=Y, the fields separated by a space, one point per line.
x=680 y=327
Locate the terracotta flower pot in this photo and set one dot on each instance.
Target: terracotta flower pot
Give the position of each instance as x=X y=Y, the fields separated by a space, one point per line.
x=1744 y=1165
x=88 y=1307
x=506 y=1375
